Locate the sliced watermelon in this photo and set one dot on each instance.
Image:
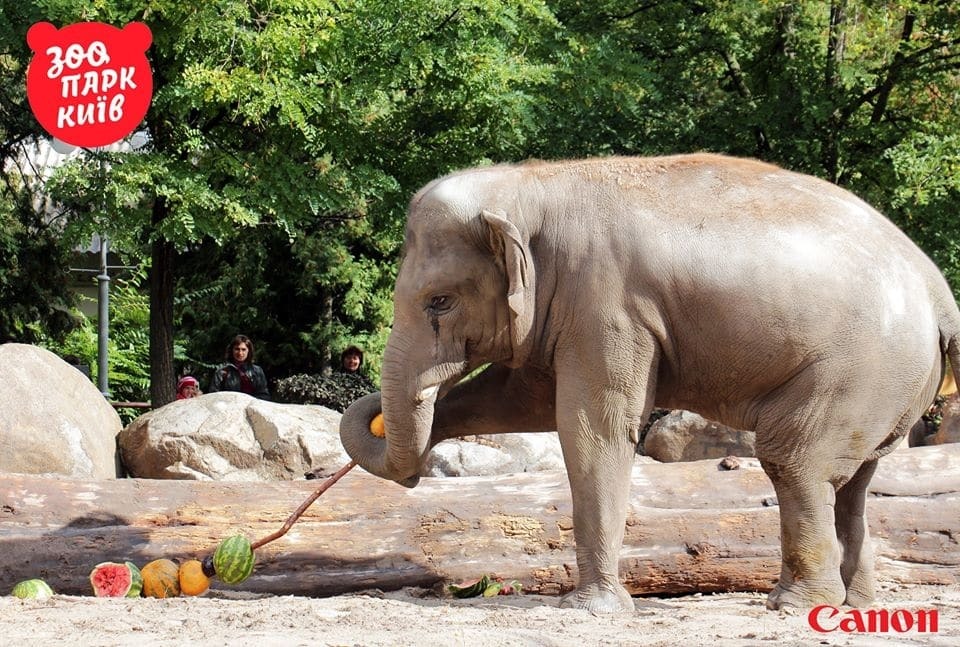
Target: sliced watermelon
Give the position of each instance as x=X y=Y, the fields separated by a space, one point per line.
x=136 y=586
x=469 y=589
x=111 y=580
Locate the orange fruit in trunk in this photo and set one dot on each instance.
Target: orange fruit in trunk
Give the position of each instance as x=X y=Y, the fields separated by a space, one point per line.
x=376 y=426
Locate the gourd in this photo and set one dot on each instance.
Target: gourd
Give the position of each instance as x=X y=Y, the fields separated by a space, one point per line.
x=161 y=579
x=193 y=581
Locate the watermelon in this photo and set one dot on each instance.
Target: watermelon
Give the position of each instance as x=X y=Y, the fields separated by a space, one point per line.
x=33 y=589
x=233 y=559
x=136 y=586
x=469 y=589
x=112 y=580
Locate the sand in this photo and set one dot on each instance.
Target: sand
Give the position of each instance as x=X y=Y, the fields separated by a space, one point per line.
x=424 y=619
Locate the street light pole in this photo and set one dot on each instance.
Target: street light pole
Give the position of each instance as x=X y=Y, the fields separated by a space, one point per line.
x=103 y=319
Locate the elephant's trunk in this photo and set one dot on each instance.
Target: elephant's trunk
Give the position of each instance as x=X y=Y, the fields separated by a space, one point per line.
x=371 y=452
x=407 y=402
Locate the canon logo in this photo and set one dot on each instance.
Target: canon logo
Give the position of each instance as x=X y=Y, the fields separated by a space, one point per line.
x=826 y=619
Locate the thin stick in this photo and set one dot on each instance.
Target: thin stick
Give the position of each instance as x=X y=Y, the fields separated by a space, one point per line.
x=303 y=506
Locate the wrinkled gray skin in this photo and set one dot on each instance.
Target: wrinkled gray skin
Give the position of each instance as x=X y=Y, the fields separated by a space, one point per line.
x=757 y=297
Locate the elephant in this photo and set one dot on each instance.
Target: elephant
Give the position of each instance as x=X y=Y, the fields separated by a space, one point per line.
x=576 y=295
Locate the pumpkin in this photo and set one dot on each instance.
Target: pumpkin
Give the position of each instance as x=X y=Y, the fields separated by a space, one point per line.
x=193 y=581
x=161 y=579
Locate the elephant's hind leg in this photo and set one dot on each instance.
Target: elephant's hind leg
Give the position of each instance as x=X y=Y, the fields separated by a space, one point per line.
x=853 y=534
x=810 y=568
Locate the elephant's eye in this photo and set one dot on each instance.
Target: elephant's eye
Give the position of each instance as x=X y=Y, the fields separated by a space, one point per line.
x=440 y=303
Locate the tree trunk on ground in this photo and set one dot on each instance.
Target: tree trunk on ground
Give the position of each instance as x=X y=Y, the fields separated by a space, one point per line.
x=690 y=528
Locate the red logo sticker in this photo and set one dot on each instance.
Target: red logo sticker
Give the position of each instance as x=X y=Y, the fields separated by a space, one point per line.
x=89 y=84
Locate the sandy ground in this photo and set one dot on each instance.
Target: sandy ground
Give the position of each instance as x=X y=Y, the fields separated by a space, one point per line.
x=416 y=617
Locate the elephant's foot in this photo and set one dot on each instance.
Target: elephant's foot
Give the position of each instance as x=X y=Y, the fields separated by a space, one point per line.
x=861 y=590
x=597 y=599
x=806 y=595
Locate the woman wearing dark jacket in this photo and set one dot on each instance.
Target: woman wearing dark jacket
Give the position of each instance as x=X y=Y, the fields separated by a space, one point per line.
x=239 y=373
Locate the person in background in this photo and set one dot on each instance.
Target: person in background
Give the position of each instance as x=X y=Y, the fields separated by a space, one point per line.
x=187 y=387
x=239 y=373
x=351 y=360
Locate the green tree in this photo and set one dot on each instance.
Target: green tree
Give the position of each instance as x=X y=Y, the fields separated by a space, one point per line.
x=864 y=94
x=34 y=281
x=286 y=115
x=286 y=138
x=410 y=91
x=34 y=276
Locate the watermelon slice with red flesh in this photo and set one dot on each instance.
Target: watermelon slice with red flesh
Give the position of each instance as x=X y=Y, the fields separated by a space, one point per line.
x=111 y=580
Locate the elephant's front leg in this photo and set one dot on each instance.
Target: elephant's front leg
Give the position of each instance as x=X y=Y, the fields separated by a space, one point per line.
x=595 y=429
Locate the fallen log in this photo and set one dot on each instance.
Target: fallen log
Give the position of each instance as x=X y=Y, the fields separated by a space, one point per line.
x=691 y=527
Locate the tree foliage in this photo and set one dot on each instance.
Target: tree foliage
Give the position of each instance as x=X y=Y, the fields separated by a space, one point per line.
x=128 y=376
x=34 y=285
x=287 y=136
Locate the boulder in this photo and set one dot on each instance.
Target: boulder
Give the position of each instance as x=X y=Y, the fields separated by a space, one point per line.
x=686 y=436
x=229 y=436
x=949 y=431
x=495 y=454
x=233 y=437
x=53 y=420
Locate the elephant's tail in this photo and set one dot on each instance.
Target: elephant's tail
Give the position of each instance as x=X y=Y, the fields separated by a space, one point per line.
x=950 y=337
x=951 y=348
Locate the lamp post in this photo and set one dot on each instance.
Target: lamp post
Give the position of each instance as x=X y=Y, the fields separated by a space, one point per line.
x=132 y=143
x=103 y=320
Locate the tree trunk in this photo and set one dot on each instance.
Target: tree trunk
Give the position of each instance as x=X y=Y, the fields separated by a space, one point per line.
x=836 y=44
x=327 y=356
x=690 y=528
x=162 y=377
x=893 y=70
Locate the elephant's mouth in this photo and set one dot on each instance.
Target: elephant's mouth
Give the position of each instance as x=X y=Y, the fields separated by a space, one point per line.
x=435 y=385
x=429 y=393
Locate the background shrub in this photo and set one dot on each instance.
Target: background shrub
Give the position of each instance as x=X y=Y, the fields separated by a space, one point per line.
x=336 y=391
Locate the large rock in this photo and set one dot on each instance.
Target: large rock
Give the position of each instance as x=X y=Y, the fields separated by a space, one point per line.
x=949 y=431
x=495 y=454
x=233 y=437
x=686 y=436
x=230 y=436
x=53 y=420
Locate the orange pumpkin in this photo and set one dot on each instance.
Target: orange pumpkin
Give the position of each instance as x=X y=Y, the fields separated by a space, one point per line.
x=192 y=579
x=161 y=579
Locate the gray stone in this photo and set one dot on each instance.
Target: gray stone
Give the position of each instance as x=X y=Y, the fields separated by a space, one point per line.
x=230 y=436
x=234 y=437
x=949 y=431
x=53 y=420
x=495 y=454
x=686 y=436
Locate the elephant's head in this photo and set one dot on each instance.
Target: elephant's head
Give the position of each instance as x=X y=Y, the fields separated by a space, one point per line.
x=463 y=298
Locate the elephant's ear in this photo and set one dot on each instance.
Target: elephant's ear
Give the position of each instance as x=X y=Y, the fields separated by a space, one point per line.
x=507 y=241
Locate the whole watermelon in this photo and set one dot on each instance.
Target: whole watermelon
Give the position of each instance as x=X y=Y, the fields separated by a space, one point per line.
x=33 y=589
x=233 y=560
x=112 y=580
